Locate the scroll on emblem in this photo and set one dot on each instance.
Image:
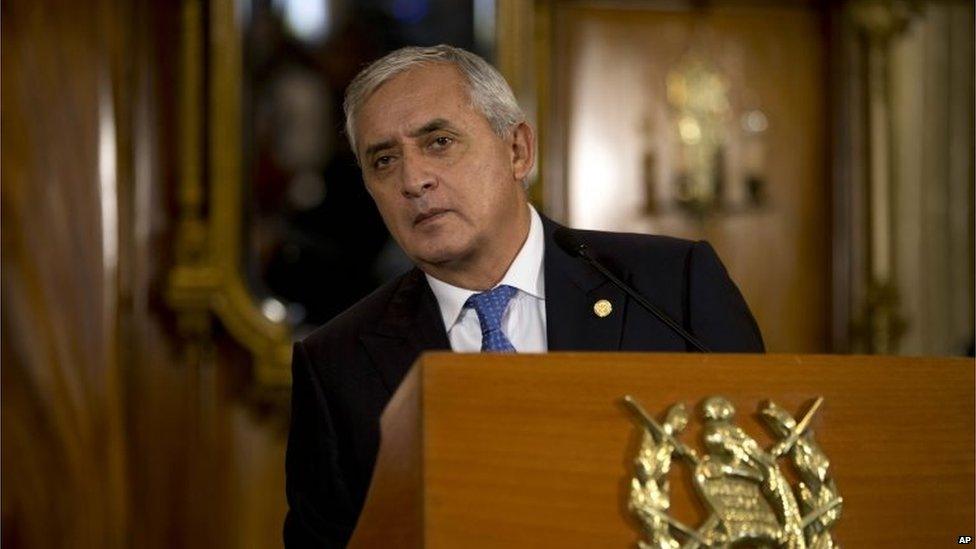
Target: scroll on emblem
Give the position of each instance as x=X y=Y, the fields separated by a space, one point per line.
x=749 y=498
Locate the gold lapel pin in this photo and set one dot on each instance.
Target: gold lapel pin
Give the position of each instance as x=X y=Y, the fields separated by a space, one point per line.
x=602 y=308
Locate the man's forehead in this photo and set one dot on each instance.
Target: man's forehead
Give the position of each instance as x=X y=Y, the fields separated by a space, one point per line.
x=414 y=99
x=418 y=87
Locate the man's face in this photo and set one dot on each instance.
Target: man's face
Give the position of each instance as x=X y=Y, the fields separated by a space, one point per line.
x=446 y=185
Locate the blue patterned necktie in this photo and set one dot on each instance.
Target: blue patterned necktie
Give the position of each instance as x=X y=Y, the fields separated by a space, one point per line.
x=490 y=306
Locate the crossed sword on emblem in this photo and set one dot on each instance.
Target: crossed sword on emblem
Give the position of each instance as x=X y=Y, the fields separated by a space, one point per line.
x=780 y=449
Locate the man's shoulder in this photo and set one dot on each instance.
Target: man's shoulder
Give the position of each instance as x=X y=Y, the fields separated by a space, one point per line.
x=684 y=277
x=634 y=247
x=365 y=313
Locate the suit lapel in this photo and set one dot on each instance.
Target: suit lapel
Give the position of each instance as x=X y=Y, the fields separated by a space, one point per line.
x=411 y=325
x=572 y=289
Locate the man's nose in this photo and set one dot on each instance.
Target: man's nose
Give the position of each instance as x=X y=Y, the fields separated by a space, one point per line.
x=416 y=175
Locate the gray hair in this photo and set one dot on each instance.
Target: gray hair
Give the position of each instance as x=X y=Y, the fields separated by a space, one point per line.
x=489 y=91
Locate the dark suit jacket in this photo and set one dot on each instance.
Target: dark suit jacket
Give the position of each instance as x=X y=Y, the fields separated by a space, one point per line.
x=345 y=372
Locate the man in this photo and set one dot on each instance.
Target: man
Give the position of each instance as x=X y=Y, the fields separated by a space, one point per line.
x=445 y=152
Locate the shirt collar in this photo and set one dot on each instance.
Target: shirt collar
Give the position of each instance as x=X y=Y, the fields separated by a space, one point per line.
x=525 y=274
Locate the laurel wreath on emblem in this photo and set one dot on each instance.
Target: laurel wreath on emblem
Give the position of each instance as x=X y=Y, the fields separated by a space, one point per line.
x=749 y=498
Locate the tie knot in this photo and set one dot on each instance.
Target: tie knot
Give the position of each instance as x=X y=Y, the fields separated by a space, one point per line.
x=490 y=306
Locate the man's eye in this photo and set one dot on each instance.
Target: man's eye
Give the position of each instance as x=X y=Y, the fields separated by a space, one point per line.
x=442 y=142
x=382 y=162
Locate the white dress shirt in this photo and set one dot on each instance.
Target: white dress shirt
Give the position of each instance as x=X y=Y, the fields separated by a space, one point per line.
x=524 y=321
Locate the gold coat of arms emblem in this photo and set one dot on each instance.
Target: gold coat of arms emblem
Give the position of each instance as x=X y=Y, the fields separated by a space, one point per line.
x=750 y=500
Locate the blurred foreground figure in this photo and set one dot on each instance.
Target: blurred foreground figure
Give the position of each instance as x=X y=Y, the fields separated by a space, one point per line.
x=445 y=152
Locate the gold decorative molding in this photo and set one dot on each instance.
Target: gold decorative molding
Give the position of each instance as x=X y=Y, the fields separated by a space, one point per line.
x=881 y=325
x=522 y=55
x=207 y=281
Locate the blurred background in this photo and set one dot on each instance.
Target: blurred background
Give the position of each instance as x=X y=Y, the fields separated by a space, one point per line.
x=179 y=204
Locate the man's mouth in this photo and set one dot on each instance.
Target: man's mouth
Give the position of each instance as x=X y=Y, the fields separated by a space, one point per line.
x=429 y=215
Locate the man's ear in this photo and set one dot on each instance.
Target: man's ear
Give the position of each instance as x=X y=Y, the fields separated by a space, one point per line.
x=523 y=151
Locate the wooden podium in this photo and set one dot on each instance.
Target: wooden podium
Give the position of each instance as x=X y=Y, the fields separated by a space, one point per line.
x=538 y=450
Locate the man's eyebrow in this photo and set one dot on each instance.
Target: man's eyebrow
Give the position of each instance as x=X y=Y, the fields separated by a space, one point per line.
x=376 y=147
x=432 y=126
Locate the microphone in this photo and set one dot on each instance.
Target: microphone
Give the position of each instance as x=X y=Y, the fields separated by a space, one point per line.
x=571 y=244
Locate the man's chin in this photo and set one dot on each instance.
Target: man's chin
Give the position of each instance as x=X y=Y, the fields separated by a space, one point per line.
x=436 y=255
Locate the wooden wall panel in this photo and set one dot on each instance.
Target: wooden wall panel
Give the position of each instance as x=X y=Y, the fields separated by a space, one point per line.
x=64 y=455
x=112 y=435
x=611 y=65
